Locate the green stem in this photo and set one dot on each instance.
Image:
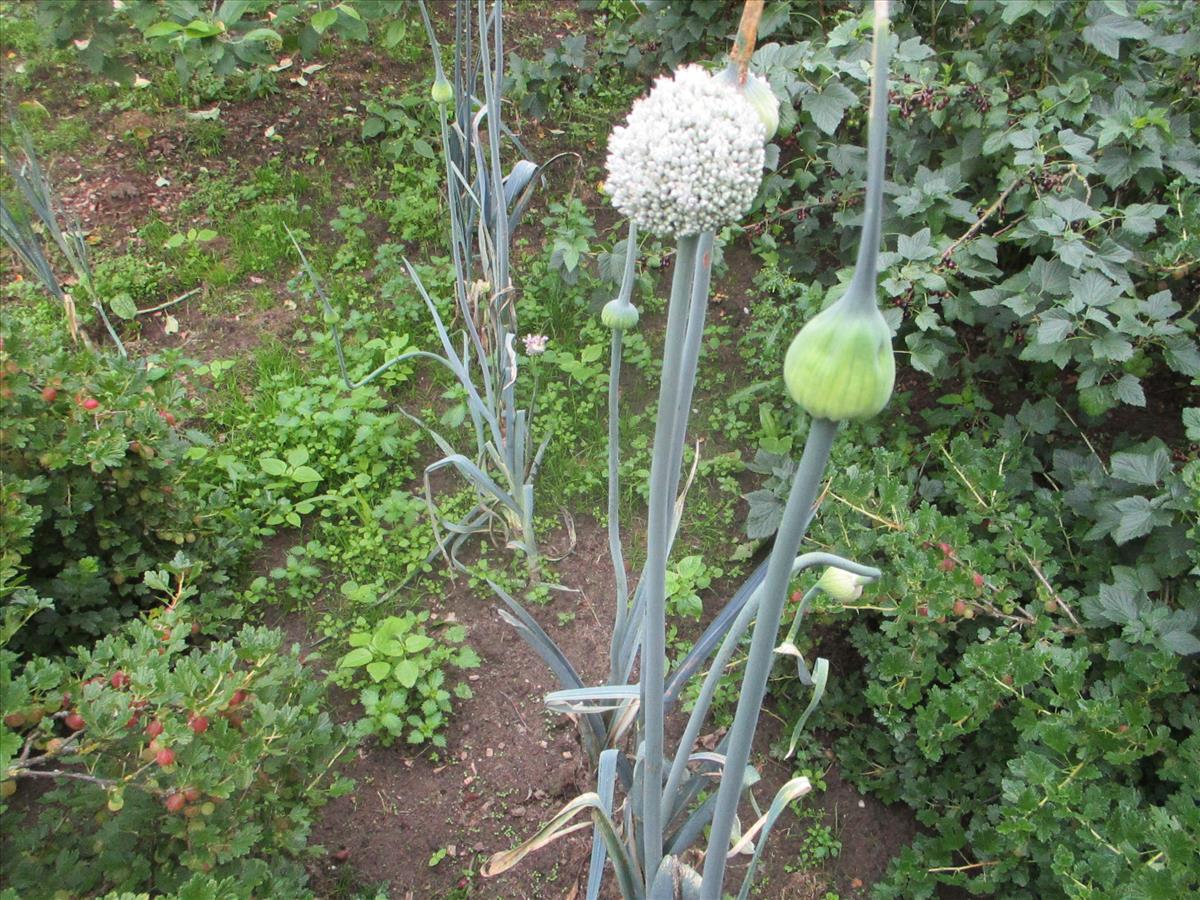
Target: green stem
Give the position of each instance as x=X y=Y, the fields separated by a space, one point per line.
x=868 y=245
x=658 y=527
x=790 y=637
x=614 y=468
x=796 y=516
x=614 y=497
x=717 y=670
x=691 y=356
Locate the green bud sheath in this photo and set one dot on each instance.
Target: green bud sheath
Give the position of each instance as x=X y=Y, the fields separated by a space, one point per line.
x=442 y=90
x=840 y=365
x=619 y=313
x=841 y=585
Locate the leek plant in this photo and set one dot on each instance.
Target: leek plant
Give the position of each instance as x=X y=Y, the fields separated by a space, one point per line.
x=485 y=206
x=688 y=161
x=64 y=234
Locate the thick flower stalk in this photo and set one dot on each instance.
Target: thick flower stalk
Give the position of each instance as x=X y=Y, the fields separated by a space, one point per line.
x=688 y=161
x=839 y=367
x=689 y=158
x=619 y=314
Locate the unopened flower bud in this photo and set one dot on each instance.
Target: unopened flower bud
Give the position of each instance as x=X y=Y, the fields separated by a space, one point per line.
x=841 y=585
x=619 y=313
x=758 y=93
x=840 y=365
x=442 y=90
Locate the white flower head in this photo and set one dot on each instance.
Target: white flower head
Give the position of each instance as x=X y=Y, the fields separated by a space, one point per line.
x=535 y=344
x=689 y=158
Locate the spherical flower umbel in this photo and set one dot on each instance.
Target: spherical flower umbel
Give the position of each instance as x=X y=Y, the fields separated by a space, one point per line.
x=689 y=158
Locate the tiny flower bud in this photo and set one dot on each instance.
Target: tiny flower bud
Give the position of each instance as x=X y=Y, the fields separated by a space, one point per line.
x=442 y=90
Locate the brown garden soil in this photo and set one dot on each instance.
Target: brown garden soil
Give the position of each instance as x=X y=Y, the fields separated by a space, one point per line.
x=508 y=765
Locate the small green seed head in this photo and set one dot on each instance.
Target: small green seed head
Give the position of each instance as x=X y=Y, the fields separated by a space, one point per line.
x=619 y=313
x=842 y=586
x=840 y=365
x=442 y=90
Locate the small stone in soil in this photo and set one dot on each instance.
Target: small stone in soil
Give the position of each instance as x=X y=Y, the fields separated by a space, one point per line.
x=517 y=812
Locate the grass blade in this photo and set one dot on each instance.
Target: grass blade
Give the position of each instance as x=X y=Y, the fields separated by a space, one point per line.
x=559 y=827
x=592 y=699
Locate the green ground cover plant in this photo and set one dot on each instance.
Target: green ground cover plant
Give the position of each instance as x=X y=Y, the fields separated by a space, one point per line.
x=204 y=45
x=399 y=668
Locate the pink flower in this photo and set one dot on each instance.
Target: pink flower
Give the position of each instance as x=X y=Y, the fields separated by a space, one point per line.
x=535 y=344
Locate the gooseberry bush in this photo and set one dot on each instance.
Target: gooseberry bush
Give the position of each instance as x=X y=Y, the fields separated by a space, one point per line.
x=186 y=758
x=94 y=458
x=1026 y=688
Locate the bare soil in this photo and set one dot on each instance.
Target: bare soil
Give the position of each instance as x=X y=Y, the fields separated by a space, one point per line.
x=424 y=823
